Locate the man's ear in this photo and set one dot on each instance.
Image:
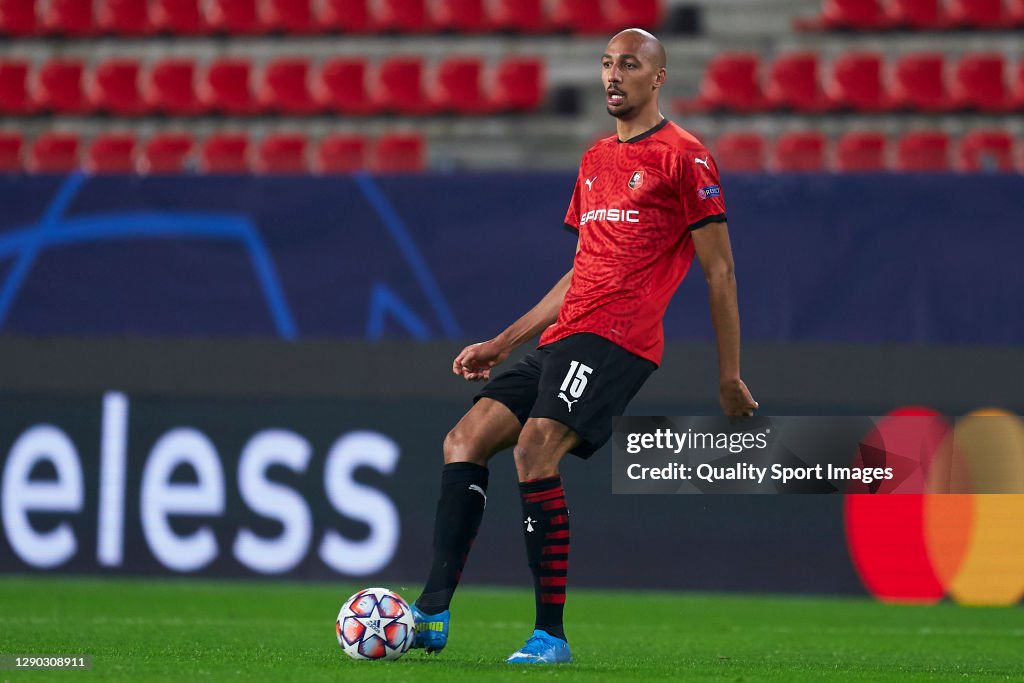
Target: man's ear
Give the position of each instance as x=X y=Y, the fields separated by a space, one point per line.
x=660 y=77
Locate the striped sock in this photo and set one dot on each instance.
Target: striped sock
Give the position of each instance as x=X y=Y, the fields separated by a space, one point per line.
x=546 y=530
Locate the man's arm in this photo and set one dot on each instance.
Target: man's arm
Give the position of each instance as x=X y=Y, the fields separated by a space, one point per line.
x=714 y=252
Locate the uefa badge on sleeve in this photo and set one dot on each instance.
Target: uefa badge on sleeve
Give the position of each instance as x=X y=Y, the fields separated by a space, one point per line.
x=709 y=191
x=636 y=180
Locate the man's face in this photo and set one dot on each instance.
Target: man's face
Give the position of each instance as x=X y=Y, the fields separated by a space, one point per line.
x=629 y=75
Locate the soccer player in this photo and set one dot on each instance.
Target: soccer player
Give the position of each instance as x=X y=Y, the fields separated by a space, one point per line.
x=646 y=200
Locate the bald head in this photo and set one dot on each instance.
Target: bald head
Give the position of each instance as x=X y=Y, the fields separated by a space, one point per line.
x=640 y=43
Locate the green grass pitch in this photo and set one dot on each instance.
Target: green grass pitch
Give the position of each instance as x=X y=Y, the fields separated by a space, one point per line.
x=179 y=630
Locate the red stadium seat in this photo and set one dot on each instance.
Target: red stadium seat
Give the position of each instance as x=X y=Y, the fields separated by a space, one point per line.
x=182 y=17
x=399 y=16
x=985 y=14
x=340 y=86
x=518 y=84
x=457 y=87
x=53 y=153
x=399 y=87
x=123 y=17
x=740 y=152
x=916 y=14
x=343 y=16
x=861 y=151
x=1017 y=86
x=579 y=16
x=165 y=153
x=282 y=153
x=225 y=153
x=289 y=16
x=169 y=87
x=398 y=153
x=521 y=16
x=731 y=82
x=234 y=17
x=58 y=87
x=986 y=150
x=341 y=153
x=1014 y=10
x=284 y=87
x=462 y=16
x=856 y=83
x=919 y=83
x=923 y=151
x=225 y=87
x=11 y=144
x=856 y=15
x=114 y=87
x=14 y=97
x=18 y=17
x=111 y=153
x=794 y=84
x=979 y=84
x=800 y=151
x=620 y=14
x=68 y=18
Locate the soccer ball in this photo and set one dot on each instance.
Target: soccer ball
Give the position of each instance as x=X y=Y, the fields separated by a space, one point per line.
x=375 y=623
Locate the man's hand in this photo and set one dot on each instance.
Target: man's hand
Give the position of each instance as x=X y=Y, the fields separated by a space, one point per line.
x=474 y=362
x=736 y=399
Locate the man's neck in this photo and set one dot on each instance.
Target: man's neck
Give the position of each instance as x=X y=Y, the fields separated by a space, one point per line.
x=641 y=123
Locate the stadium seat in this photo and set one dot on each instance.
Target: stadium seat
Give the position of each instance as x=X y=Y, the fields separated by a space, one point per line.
x=68 y=18
x=339 y=153
x=731 y=82
x=1017 y=85
x=18 y=17
x=343 y=16
x=234 y=17
x=518 y=85
x=53 y=153
x=399 y=86
x=123 y=17
x=111 y=153
x=14 y=97
x=861 y=151
x=460 y=16
x=114 y=87
x=224 y=87
x=621 y=14
x=923 y=151
x=520 y=16
x=976 y=14
x=165 y=153
x=1014 y=12
x=457 y=86
x=284 y=87
x=855 y=15
x=579 y=16
x=340 y=86
x=399 y=16
x=856 y=82
x=794 y=84
x=986 y=150
x=169 y=87
x=398 y=153
x=800 y=151
x=11 y=144
x=289 y=16
x=182 y=17
x=979 y=84
x=282 y=153
x=740 y=152
x=919 y=84
x=916 y=14
x=57 y=87
x=225 y=153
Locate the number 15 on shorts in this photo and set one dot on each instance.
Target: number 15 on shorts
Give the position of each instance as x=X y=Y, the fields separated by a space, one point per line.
x=576 y=379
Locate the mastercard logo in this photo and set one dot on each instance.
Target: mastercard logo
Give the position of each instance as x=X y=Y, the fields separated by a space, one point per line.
x=948 y=541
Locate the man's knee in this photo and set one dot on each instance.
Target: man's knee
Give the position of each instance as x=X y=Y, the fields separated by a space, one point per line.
x=538 y=452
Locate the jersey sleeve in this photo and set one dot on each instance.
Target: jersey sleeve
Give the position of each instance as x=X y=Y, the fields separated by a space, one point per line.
x=703 y=201
x=572 y=216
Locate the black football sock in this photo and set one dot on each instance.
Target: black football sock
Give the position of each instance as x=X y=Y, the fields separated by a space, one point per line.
x=546 y=530
x=459 y=511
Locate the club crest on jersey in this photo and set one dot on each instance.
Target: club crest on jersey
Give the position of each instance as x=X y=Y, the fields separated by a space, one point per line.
x=636 y=180
x=710 y=191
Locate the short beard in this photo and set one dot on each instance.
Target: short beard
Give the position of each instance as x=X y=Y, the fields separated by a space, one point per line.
x=622 y=112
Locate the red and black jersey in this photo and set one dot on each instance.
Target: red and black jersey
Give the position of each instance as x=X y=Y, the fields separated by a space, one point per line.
x=635 y=205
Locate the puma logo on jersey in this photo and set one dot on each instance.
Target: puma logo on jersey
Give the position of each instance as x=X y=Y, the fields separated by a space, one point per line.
x=561 y=395
x=590 y=183
x=702 y=161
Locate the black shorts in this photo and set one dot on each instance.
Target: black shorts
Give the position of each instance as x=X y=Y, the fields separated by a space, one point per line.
x=582 y=381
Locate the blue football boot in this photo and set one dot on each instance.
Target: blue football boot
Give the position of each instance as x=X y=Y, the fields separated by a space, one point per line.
x=431 y=630
x=542 y=648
